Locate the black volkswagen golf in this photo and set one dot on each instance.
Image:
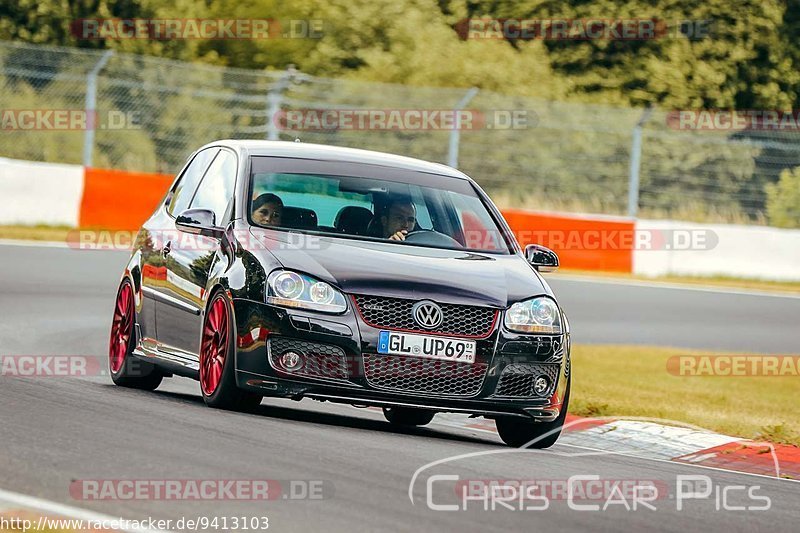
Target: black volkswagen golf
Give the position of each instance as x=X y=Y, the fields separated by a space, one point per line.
x=298 y=271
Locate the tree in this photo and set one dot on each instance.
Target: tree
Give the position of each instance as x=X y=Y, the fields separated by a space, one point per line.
x=783 y=200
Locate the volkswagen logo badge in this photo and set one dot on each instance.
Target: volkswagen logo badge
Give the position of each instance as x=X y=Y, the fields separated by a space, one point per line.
x=427 y=314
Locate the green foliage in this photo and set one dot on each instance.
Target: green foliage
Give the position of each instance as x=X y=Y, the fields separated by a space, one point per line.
x=748 y=59
x=131 y=149
x=783 y=200
x=412 y=42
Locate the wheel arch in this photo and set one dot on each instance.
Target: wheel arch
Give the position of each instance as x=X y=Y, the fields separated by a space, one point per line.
x=133 y=273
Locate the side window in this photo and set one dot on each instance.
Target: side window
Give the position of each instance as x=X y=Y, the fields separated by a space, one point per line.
x=184 y=190
x=216 y=190
x=475 y=223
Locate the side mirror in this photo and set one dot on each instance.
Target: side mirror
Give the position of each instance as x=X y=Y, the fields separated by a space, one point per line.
x=543 y=259
x=199 y=222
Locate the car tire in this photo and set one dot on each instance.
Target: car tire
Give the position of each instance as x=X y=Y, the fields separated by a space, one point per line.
x=518 y=432
x=408 y=416
x=127 y=370
x=217 y=359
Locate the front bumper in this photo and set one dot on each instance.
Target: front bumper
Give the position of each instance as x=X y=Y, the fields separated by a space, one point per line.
x=494 y=386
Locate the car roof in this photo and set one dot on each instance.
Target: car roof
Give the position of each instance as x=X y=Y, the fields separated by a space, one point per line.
x=325 y=152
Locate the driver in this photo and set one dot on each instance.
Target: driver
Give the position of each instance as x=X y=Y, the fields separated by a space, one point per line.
x=268 y=210
x=400 y=217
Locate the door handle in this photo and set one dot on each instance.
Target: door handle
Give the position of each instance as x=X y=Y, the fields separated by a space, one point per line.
x=166 y=249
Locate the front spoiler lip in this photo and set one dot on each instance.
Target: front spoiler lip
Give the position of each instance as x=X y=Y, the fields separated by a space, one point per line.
x=397 y=403
x=358 y=396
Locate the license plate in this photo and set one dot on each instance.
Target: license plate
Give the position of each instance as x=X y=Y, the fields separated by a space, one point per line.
x=393 y=343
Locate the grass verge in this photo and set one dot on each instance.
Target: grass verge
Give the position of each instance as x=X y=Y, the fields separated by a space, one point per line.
x=35 y=233
x=634 y=381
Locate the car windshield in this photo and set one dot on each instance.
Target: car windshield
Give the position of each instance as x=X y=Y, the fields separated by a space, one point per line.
x=398 y=206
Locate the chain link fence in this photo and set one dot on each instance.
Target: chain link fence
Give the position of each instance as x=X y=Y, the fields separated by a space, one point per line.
x=152 y=113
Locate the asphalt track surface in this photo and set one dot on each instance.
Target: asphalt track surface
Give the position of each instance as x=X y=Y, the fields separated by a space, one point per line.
x=56 y=430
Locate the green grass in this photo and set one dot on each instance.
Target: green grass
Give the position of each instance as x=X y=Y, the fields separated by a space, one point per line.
x=633 y=381
x=35 y=233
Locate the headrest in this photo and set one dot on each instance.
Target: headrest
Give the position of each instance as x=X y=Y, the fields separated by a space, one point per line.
x=353 y=220
x=299 y=218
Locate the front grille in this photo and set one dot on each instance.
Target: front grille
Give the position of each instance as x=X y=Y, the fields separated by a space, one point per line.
x=424 y=376
x=395 y=313
x=517 y=380
x=320 y=360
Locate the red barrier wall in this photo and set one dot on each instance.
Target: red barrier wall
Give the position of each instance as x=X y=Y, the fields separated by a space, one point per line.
x=581 y=242
x=119 y=199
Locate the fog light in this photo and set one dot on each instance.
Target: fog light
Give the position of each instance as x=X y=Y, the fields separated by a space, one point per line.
x=541 y=385
x=292 y=361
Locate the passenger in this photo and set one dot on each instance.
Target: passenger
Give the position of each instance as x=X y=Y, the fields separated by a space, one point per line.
x=400 y=217
x=268 y=210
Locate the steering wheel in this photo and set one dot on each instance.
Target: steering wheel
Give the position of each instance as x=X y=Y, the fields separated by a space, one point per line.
x=431 y=238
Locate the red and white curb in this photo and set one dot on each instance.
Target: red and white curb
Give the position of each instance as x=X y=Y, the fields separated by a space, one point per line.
x=654 y=440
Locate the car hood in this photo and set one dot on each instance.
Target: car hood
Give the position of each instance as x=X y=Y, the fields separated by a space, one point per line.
x=405 y=271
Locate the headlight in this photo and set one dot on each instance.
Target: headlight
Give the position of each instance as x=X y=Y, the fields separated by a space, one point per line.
x=290 y=289
x=539 y=315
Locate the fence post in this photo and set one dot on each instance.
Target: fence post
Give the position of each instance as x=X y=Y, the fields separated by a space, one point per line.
x=455 y=133
x=636 y=163
x=90 y=106
x=275 y=100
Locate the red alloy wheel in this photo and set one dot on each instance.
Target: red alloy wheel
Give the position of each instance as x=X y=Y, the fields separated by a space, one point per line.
x=121 y=328
x=214 y=346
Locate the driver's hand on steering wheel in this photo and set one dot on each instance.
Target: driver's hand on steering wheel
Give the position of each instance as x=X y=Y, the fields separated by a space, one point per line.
x=399 y=236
